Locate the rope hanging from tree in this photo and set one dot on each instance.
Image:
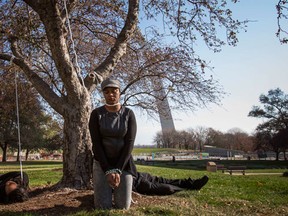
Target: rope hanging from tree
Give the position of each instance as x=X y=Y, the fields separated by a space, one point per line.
x=94 y=74
x=78 y=69
x=18 y=122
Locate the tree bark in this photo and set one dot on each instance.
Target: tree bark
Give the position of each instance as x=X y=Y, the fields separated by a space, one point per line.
x=277 y=155
x=27 y=154
x=77 y=150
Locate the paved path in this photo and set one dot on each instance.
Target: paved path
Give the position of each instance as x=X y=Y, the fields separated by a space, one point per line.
x=255 y=173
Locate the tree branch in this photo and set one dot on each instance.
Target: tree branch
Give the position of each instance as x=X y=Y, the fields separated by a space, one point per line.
x=41 y=86
x=56 y=33
x=119 y=49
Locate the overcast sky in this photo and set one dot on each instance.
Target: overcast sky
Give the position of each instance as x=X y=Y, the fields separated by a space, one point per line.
x=257 y=64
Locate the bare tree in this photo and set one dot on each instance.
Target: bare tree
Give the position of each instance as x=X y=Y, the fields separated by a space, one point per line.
x=214 y=138
x=158 y=140
x=185 y=140
x=66 y=48
x=240 y=140
x=52 y=71
x=201 y=137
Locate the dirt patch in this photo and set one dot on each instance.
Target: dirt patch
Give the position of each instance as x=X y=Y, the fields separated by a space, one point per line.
x=47 y=202
x=44 y=201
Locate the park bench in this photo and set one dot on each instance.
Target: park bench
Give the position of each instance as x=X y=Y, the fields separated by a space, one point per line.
x=232 y=169
x=221 y=167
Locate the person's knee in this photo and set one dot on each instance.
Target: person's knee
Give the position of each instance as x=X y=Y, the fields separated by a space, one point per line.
x=102 y=205
x=103 y=199
x=123 y=194
x=123 y=205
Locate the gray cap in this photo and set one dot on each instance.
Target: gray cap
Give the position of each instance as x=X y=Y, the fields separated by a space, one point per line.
x=110 y=83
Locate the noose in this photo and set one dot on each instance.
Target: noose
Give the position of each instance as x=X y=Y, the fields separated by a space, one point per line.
x=78 y=70
x=93 y=75
x=18 y=121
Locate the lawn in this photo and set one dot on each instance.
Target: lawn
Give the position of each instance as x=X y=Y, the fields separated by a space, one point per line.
x=224 y=194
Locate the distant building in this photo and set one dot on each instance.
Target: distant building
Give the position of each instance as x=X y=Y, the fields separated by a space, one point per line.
x=221 y=152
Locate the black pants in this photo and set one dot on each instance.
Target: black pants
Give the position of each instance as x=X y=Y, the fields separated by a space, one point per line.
x=154 y=185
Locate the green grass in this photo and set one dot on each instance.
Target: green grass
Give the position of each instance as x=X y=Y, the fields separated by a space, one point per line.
x=40 y=173
x=149 y=151
x=231 y=195
x=223 y=195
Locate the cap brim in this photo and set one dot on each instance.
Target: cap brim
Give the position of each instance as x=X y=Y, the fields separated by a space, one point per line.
x=110 y=86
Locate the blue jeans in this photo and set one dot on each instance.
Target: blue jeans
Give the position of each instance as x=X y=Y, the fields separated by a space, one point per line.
x=103 y=193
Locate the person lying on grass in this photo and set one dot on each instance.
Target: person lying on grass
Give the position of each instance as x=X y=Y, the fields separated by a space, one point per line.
x=13 y=188
x=145 y=183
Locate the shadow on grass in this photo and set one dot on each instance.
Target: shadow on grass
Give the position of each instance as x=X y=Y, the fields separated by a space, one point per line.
x=43 y=201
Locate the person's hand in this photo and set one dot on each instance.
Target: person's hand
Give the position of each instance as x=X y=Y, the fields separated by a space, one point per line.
x=113 y=179
x=117 y=179
x=110 y=179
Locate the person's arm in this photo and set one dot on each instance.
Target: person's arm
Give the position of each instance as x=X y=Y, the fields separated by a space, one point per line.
x=129 y=140
x=97 y=146
x=10 y=175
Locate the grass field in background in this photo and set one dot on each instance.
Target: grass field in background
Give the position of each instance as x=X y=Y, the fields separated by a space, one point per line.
x=223 y=195
x=139 y=151
x=41 y=173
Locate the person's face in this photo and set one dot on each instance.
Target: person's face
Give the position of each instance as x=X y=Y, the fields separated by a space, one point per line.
x=10 y=186
x=111 y=95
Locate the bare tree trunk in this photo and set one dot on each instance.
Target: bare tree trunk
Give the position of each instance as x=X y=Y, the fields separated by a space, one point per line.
x=77 y=151
x=277 y=155
x=26 y=154
x=4 y=152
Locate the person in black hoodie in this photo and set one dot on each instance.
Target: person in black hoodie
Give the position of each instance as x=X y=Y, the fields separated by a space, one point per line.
x=13 y=188
x=145 y=183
